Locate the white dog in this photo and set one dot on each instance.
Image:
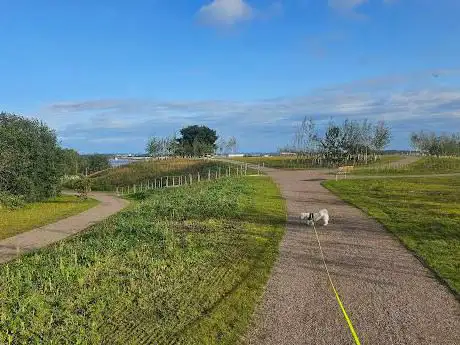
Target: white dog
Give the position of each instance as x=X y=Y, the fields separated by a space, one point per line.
x=313 y=218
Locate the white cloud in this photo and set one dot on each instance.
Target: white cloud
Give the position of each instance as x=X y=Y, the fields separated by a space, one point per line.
x=225 y=12
x=408 y=102
x=345 y=5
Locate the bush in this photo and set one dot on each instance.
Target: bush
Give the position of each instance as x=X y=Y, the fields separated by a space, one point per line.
x=82 y=186
x=11 y=201
x=68 y=181
x=30 y=158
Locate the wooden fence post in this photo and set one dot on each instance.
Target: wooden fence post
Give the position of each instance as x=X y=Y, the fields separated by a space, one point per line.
x=191 y=179
x=209 y=174
x=199 y=177
x=167 y=181
x=219 y=172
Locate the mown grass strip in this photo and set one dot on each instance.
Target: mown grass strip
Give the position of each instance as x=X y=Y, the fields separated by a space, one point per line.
x=13 y=222
x=184 y=266
x=424 y=213
x=423 y=166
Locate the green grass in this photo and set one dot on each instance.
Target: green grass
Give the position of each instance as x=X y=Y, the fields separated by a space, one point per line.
x=424 y=213
x=184 y=265
x=13 y=222
x=289 y=162
x=424 y=166
x=141 y=172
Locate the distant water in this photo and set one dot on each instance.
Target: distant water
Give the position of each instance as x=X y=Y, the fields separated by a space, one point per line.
x=119 y=162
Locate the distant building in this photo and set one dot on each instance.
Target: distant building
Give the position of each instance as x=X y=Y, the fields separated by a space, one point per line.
x=287 y=153
x=236 y=155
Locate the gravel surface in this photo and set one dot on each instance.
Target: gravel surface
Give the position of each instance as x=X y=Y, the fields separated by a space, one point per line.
x=37 y=238
x=389 y=295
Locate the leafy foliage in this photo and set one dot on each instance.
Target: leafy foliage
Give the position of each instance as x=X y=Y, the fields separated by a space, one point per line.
x=352 y=141
x=94 y=162
x=436 y=145
x=11 y=201
x=197 y=140
x=30 y=158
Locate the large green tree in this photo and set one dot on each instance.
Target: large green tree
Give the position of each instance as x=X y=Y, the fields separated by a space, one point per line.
x=30 y=158
x=197 y=140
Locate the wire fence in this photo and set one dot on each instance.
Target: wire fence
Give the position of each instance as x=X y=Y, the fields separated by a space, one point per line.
x=187 y=179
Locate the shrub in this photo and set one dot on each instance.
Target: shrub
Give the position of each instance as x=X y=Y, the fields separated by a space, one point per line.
x=11 y=201
x=82 y=186
x=29 y=158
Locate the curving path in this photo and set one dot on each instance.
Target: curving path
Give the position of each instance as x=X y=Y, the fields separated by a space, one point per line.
x=37 y=238
x=389 y=295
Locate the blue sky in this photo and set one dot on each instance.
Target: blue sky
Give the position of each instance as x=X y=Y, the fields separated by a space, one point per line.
x=109 y=74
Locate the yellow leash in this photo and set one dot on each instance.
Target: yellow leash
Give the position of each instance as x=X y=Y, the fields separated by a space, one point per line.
x=350 y=325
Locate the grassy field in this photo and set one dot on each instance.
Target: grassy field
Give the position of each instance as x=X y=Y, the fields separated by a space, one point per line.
x=424 y=213
x=13 y=222
x=142 y=172
x=425 y=165
x=289 y=162
x=184 y=266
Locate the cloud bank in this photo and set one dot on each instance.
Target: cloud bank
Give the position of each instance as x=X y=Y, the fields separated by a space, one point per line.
x=225 y=12
x=425 y=100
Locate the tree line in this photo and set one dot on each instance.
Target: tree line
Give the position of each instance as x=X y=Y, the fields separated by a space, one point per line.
x=74 y=163
x=194 y=141
x=436 y=145
x=351 y=141
x=32 y=161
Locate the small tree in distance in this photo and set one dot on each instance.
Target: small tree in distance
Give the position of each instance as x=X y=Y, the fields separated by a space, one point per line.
x=382 y=136
x=232 y=144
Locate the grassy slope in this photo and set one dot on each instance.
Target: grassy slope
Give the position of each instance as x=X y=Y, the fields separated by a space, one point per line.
x=185 y=265
x=295 y=163
x=13 y=222
x=424 y=213
x=141 y=172
x=425 y=165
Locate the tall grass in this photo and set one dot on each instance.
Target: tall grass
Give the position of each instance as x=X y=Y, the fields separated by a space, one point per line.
x=141 y=172
x=299 y=162
x=183 y=266
x=425 y=165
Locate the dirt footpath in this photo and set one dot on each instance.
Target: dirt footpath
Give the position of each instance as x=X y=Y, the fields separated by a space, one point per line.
x=389 y=295
x=45 y=235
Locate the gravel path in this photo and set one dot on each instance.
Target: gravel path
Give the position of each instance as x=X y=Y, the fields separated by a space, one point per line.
x=389 y=295
x=37 y=238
